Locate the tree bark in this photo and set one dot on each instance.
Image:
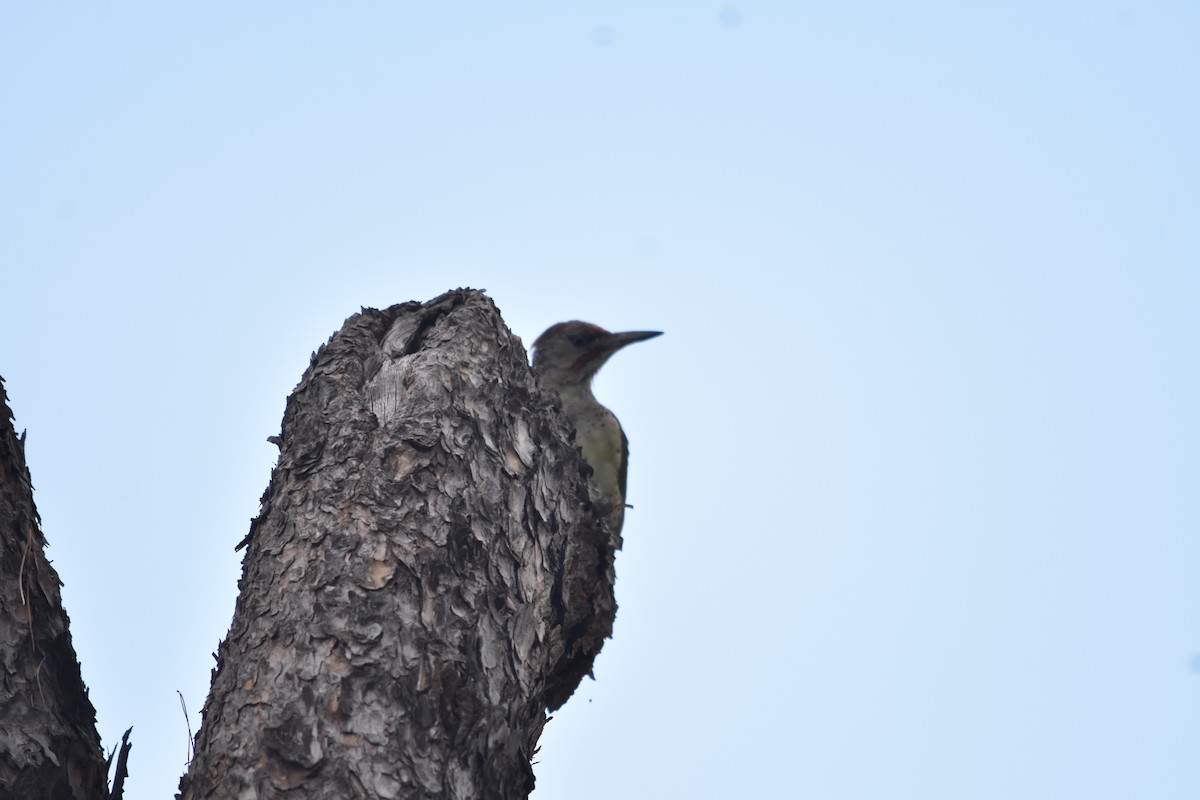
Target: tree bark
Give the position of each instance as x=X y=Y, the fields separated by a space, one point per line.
x=428 y=573
x=49 y=747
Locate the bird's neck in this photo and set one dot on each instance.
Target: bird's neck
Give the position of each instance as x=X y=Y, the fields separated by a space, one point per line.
x=576 y=394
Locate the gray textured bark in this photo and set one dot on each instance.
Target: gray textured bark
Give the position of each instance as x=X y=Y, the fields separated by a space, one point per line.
x=427 y=575
x=49 y=747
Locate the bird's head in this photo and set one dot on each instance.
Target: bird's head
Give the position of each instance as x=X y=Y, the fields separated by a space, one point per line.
x=571 y=352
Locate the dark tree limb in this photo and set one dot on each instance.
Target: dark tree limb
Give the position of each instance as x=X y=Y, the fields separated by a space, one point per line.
x=49 y=747
x=122 y=772
x=427 y=575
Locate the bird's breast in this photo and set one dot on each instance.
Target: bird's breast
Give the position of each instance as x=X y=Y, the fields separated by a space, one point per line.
x=598 y=434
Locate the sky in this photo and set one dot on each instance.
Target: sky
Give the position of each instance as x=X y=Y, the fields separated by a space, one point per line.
x=914 y=467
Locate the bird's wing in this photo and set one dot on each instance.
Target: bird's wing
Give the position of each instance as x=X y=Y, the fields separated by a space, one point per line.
x=624 y=470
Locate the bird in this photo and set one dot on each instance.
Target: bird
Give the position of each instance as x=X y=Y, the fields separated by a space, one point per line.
x=566 y=357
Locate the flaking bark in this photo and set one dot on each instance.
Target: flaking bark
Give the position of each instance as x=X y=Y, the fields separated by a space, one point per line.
x=427 y=575
x=49 y=747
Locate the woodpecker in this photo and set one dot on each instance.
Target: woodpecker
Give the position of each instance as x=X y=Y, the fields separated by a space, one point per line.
x=567 y=356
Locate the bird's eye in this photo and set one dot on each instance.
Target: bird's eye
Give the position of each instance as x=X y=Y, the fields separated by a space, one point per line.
x=581 y=340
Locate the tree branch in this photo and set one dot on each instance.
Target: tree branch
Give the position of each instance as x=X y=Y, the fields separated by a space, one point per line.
x=49 y=746
x=427 y=575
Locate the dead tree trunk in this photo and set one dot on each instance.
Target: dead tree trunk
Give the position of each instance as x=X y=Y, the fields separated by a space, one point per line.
x=49 y=747
x=426 y=576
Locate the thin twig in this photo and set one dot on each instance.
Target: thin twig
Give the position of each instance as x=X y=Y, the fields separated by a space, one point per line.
x=191 y=740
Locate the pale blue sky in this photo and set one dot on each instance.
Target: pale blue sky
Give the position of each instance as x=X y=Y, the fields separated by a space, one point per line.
x=915 y=467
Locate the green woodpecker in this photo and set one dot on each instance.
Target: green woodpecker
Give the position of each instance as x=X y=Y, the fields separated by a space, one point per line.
x=567 y=356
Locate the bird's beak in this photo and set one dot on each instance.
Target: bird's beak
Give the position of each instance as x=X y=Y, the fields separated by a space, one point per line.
x=615 y=341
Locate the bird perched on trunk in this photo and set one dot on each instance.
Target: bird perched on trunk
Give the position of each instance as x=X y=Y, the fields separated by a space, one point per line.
x=567 y=356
